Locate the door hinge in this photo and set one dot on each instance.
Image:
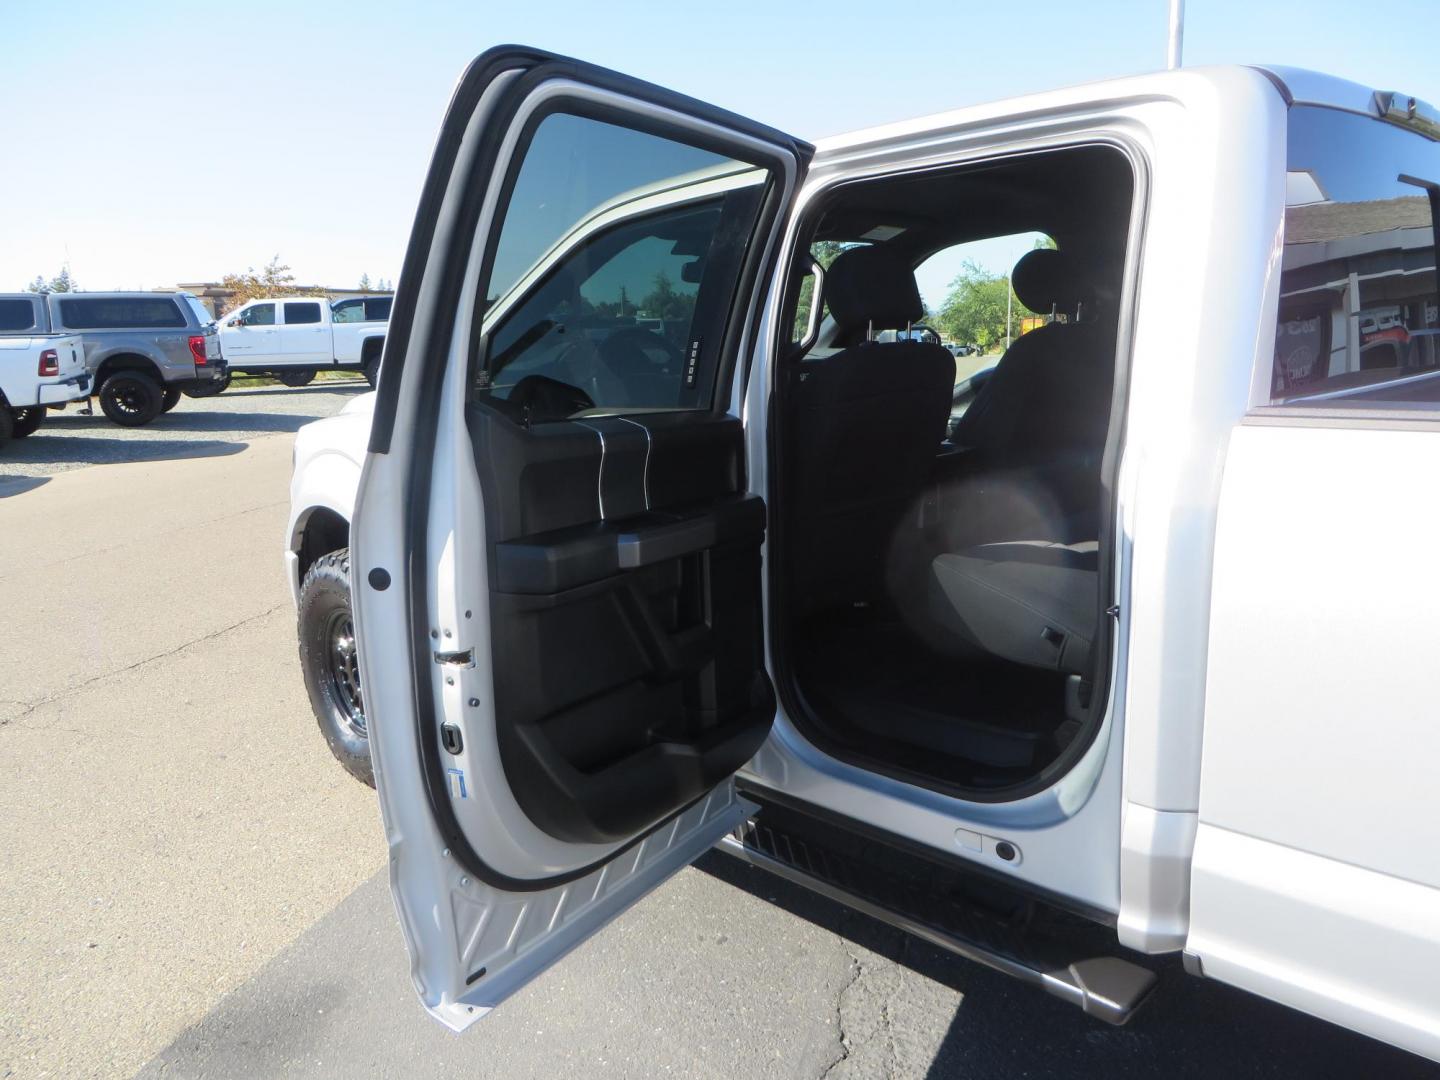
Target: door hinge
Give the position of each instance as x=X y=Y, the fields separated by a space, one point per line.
x=456 y=659
x=1113 y=611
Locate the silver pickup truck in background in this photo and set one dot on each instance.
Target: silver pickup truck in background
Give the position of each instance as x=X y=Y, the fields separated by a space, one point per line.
x=142 y=349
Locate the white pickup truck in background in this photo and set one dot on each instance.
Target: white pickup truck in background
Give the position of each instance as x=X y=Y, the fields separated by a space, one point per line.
x=37 y=371
x=295 y=336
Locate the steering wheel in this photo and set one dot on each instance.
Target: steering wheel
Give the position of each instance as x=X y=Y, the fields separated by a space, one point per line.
x=631 y=351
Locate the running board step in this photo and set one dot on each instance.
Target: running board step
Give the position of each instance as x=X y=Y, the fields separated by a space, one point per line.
x=1108 y=988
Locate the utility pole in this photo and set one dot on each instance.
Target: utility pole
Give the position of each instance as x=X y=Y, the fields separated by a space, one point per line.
x=1177 y=34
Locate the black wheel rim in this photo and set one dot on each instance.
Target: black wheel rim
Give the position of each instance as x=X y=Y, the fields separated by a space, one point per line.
x=128 y=398
x=344 y=671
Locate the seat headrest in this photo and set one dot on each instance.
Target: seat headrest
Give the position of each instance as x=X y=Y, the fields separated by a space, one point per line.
x=870 y=286
x=1046 y=280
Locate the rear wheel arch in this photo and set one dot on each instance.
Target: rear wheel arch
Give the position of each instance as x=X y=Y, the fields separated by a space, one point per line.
x=126 y=361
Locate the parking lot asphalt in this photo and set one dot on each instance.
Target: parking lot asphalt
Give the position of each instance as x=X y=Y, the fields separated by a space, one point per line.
x=191 y=887
x=196 y=427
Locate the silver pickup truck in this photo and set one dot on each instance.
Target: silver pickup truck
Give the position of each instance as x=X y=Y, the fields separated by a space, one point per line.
x=142 y=349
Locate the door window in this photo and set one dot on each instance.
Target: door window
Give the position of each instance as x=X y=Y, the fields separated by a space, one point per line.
x=1359 y=318
x=614 y=272
x=302 y=314
x=348 y=311
x=260 y=315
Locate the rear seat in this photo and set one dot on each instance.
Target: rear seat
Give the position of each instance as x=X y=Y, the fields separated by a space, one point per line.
x=1031 y=602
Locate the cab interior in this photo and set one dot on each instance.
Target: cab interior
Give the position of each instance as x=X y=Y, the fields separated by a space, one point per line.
x=939 y=560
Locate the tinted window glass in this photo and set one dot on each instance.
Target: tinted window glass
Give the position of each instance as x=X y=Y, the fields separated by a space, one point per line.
x=1359 y=316
x=614 y=271
x=348 y=311
x=378 y=309
x=260 y=315
x=17 y=315
x=121 y=313
x=300 y=314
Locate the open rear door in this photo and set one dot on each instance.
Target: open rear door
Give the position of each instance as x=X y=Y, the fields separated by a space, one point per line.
x=556 y=562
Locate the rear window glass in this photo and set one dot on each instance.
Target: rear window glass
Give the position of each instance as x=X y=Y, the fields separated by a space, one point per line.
x=1359 y=318
x=367 y=309
x=17 y=315
x=202 y=313
x=299 y=314
x=121 y=313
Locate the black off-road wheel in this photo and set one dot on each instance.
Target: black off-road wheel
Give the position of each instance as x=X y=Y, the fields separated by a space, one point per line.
x=303 y=377
x=131 y=398
x=331 y=664
x=25 y=421
x=169 y=398
x=372 y=371
x=7 y=422
x=207 y=389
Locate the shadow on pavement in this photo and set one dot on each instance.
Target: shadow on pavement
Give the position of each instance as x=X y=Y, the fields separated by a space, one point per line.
x=17 y=485
x=195 y=419
x=1189 y=1028
x=53 y=448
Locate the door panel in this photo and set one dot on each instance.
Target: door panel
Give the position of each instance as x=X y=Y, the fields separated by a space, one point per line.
x=305 y=336
x=1315 y=881
x=257 y=339
x=628 y=673
x=571 y=667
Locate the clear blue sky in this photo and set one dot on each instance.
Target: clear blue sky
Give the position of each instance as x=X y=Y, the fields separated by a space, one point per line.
x=146 y=143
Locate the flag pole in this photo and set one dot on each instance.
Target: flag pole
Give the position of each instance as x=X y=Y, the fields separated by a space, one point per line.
x=1177 y=34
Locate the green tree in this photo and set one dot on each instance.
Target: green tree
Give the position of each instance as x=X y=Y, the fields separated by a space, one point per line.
x=974 y=311
x=365 y=282
x=61 y=282
x=664 y=301
x=824 y=252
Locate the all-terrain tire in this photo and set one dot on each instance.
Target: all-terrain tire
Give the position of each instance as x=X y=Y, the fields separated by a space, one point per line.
x=169 y=398
x=25 y=421
x=7 y=422
x=131 y=398
x=302 y=377
x=326 y=628
x=372 y=371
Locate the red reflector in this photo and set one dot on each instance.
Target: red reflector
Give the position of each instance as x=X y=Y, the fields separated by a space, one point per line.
x=49 y=362
x=197 y=349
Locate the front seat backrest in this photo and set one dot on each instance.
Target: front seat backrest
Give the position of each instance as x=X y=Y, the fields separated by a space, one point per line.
x=869 y=422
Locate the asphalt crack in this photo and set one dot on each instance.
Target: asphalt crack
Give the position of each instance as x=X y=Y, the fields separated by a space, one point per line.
x=857 y=969
x=28 y=707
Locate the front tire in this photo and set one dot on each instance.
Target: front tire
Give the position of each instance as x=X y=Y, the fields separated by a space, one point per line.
x=372 y=371
x=302 y=377
x=131 y=398
x=331 y=665
x=169 y=398
x=207 y=389
x=25 y=421
x=7 y=422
